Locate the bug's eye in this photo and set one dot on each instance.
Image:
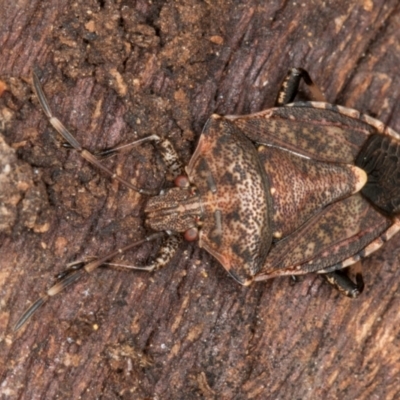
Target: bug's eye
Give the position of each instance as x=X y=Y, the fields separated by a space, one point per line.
x=191 y=234
x=182 y=181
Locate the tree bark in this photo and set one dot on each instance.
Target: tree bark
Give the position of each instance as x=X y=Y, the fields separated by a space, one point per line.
x=118 y=71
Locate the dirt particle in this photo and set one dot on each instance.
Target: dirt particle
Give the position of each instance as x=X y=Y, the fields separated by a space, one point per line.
x=3 y=87
x=61 y=245
x=90 y=26
x=217 y=39
x=121 y=88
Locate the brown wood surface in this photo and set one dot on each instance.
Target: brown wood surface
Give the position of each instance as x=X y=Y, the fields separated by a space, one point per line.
x=116 y=71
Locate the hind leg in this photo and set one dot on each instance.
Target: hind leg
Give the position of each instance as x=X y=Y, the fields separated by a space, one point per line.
x=341 y=281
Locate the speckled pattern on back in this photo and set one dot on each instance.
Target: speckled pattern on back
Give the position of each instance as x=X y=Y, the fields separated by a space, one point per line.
x=274 y=193
x=341 y=233
x=319 y=133
x=235 y=201
x=300 y=187
x=342 y=229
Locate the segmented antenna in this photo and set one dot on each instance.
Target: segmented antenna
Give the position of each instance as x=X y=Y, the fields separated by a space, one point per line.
x=75 y=275
x=67 y=135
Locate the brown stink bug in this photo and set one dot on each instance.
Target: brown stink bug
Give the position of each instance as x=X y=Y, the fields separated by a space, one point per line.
x=299 y=188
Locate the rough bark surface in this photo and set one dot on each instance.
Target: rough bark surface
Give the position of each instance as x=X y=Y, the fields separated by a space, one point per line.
x=116 y=71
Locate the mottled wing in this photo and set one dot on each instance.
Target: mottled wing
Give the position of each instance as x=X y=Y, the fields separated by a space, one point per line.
x=380 y=158
x=340 y=233
x=236 y=224
x=324 y=134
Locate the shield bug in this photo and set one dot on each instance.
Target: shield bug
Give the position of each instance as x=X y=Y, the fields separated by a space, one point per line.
x=304 y=187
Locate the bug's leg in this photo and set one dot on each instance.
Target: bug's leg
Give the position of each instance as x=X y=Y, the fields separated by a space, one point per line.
x=290 y=87
x=111 y=151
x=342 y=282
x=170 y=158
x=293 y=280
x=74 y=275
x=63 y=131
x=164 y=255
x=71 y=267
x=165 y=147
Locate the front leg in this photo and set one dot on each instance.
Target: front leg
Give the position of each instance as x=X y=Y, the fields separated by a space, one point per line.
x=164 y=255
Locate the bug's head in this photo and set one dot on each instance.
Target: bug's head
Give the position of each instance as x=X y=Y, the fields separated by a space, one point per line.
x=177 y=210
